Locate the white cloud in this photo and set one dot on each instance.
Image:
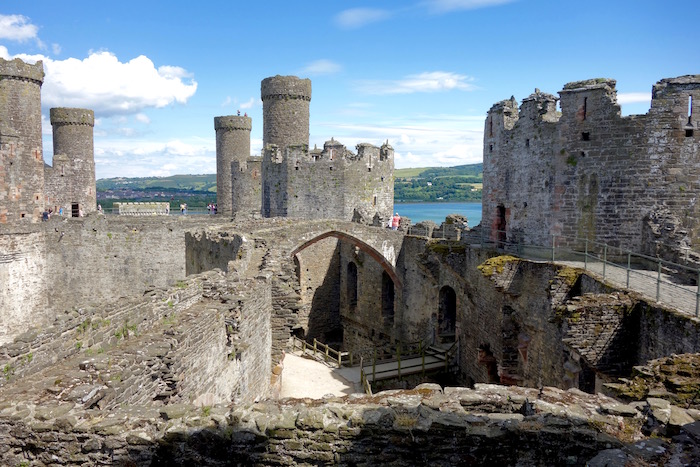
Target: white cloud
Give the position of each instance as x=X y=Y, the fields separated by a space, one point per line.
x=433 y=81
x=250 y=103
x=17 y=28
x=227 y=101
x=143 y=118
x=418 y=140
x=109 y=87
x=445 y=6
x=124 y=158
x=633 y=97
x=321 y=67
x=358 y=17
x=56 y=49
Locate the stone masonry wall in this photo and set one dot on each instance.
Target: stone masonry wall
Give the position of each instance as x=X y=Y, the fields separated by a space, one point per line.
x=589 y=172
x=428 y=426
x=24 y=293
x=246 y=184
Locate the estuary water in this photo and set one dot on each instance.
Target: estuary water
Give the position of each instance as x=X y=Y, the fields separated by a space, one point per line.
x=437 y=212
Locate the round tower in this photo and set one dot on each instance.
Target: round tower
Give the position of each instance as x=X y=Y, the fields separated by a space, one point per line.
x=72 y=180
x=232 y=144
x=21 y=155
x=285 y=111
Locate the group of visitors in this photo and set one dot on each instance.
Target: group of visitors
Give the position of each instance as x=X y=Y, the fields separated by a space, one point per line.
x=211 y=208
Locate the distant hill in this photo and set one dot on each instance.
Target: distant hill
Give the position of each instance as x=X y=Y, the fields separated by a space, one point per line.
x=458 y=183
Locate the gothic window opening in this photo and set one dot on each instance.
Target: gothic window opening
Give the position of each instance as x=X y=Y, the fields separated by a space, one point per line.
x=351 y=286
x=387 y=297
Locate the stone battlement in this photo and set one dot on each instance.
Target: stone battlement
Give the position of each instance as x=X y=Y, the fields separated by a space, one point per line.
x=17 y=69
x=285 y=87
x=72 y=116
x=233 y=122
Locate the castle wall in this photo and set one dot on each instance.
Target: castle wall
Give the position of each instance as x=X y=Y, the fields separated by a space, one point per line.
x=232 y=144
x=316 y=188
x=591 y=173
x=246 y=184
x=274 y=182
x=21 y=159
x=71 y=179
x=24 y=294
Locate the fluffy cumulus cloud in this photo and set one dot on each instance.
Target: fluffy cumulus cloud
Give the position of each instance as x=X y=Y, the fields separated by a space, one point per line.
x=17 y=28
x=123 y=158
x=321 y=67
x=433 y=81
x=418 y=140
x=358 y=17
x=110 y=87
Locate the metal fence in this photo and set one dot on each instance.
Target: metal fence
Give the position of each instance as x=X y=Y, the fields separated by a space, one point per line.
x=666 y=282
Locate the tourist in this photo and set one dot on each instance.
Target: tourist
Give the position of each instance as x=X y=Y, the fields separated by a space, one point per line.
x=395 y=221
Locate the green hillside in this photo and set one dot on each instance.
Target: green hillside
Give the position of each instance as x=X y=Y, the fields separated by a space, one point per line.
x=459 y=183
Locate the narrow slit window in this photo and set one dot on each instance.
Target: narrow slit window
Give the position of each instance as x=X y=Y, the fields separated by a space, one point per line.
x=527 y=142
x=585 y=107
x=490 y=126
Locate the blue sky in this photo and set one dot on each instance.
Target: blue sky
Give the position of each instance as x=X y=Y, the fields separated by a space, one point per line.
x=420 y=73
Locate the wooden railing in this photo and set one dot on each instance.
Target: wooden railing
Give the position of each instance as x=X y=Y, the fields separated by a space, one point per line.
x=321 y=351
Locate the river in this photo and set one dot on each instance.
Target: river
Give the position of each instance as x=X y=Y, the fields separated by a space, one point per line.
x=437 y=212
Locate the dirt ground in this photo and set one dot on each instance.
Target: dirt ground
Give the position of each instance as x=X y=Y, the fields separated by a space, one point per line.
x=305 y=377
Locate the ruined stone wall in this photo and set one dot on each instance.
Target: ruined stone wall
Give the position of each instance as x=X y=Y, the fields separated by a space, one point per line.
x=21 y=153
x=592 y=173
x=232 y=144
x=246 y=183
x=71 y=179
x=369 y=184
x=316 y=188
x=205 y=250
x=487 y=425
x=24 y=292
x=319 y=275
x=662 y=333
x=274 y=182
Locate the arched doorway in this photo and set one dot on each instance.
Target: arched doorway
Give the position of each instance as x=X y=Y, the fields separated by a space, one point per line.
x=447 y=314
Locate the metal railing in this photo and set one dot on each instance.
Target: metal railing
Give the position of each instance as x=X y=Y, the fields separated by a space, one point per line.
x=664 y=281
x=320 y=351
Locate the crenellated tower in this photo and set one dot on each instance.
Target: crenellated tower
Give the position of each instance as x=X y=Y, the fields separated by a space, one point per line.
x=232 y=146
x=21 y=154
x=285 y=128
x=70 y=182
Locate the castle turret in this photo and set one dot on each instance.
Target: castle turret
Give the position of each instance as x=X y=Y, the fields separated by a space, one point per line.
x=285 y=128
x=285 y=111
x=70 y=183
x=232 y=145
x=21 y=155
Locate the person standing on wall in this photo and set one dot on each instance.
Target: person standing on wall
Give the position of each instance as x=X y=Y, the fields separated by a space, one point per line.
x=395 y=221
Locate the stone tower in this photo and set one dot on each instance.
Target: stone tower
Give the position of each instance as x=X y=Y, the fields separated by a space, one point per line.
x=285 y=125
x=285 y=111
x=232 y=145
x=21 y=159
x=70 y=183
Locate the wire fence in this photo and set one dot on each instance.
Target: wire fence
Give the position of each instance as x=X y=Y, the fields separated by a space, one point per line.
x=665 y=282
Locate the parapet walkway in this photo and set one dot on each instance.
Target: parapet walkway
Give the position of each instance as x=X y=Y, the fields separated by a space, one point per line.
x=655 y=286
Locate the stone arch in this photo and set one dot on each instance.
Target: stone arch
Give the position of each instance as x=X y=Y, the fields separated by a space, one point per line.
x=370 y=250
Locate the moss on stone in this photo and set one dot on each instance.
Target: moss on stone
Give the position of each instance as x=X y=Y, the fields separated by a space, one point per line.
x=569 y=275
x=496 y=264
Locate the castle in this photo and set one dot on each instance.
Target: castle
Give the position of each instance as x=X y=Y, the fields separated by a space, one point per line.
x=159 y=340
x=289 y=179
x=28 y=186
x=588 y=174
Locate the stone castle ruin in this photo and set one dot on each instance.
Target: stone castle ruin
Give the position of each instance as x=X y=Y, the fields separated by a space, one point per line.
x=160 y=340
x=587 y=173
x=290 y=180
x=27 y=185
